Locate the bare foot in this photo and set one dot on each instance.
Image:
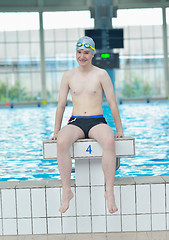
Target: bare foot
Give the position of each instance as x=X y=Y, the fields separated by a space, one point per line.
x=66 y=197
x=111 y=204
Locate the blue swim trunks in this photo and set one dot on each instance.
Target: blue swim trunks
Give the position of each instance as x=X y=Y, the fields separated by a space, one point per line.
x=86 y=122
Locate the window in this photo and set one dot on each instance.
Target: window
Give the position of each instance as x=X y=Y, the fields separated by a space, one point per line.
x=141 y=60
x=19 y=58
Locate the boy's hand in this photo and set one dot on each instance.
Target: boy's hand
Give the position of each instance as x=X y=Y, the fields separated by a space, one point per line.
x=119 y=135
x=54 y=136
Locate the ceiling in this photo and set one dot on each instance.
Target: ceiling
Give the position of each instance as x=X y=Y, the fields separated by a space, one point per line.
x=73 y=5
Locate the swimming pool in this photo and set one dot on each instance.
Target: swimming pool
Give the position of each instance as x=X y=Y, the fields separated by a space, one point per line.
x=23 y=129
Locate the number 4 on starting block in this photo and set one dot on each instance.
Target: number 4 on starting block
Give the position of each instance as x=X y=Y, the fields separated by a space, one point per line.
x=89 y=149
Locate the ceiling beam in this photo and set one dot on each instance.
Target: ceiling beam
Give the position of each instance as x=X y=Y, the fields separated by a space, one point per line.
x=141 y=4
x=43 y=5
x=73 y=5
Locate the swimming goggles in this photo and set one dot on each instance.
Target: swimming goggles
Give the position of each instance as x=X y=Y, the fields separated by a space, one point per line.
x=86 y=45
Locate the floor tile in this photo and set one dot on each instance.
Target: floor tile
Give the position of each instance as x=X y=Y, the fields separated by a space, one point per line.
x=82 y=172
x=10 y=227
x=38 y=202
x=128 y=236
x=158 y=222
x=114 y=223
x=158 y=235
x=98 y=236
x=129 y=223
x=69 y=225
x=128 y=199
x=98 y=224
x=56 y=237
x=53 y=202
x=23 y=203
x=83 y=201
x=84 y=224
x=54 y=226
x=158 y=198
x=78 y=237
x=8 y=203
x=143 y=203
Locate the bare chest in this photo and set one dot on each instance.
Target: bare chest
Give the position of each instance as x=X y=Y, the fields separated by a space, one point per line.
x=85 y=87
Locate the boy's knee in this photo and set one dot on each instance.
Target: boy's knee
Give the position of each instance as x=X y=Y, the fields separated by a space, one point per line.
x=109 y=142
x=62 y=143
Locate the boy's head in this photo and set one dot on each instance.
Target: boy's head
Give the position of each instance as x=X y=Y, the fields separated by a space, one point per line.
x=86 y=43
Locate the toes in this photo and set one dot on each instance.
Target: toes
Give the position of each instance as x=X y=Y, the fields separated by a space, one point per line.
x=63 y=209
x=113 y=210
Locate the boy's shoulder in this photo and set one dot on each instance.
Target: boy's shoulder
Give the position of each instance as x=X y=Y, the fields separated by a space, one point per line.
x=69 y=73
x=100 y=71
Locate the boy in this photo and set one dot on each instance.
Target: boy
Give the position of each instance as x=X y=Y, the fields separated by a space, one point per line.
x=87 y=85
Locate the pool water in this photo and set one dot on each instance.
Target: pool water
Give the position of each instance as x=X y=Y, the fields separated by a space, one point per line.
x=23 y=129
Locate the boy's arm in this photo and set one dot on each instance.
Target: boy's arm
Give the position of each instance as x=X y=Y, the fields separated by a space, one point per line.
x=111 y=99
x=64 y=89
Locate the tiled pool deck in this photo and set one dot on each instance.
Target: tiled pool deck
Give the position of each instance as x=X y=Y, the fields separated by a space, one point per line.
x=31 y=208
x=164 y=235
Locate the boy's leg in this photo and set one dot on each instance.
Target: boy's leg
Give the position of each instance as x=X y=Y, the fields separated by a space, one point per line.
x=66 y=137
x=105 y=136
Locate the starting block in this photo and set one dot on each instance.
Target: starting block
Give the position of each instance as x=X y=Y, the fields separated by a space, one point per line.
x=88 y=156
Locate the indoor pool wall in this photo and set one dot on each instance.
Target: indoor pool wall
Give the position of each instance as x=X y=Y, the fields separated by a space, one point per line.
x=31 y=207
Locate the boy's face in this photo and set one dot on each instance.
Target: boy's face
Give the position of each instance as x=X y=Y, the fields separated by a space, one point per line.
x=84 y=56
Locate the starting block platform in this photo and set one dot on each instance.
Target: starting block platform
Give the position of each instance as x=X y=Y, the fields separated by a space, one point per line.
x=88 y=156
x=87 y=148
